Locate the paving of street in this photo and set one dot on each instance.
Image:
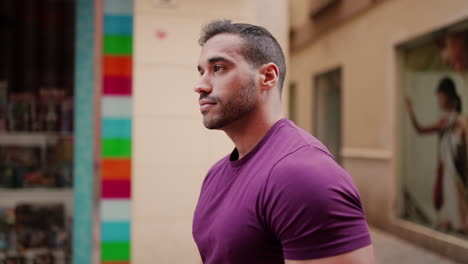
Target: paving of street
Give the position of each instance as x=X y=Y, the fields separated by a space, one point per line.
x=392 y=250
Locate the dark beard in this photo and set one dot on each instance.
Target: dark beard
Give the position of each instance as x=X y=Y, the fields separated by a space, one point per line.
x=235 y=109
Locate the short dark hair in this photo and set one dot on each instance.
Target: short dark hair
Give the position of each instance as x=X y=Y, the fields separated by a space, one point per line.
x=447 y=87
x=260 y=46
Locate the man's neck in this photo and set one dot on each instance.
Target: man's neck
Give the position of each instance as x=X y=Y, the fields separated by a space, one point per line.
x=248 y=132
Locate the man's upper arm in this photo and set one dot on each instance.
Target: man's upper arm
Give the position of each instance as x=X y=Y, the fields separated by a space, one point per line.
x=363 y=255
x=313 y=209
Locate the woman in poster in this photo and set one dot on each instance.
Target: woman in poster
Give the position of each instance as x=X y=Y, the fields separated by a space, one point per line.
x=449 y=189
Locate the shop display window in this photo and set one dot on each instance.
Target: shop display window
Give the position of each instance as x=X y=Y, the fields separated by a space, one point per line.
x=36 y=130
x=434 y=130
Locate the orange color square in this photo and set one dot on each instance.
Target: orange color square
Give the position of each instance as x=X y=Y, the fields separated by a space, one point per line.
x=118 y=66
x=116 y=169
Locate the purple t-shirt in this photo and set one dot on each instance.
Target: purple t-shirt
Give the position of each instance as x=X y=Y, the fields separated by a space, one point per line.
x=286 y=199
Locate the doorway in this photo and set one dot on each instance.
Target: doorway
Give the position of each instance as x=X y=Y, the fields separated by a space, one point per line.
x=327 y=110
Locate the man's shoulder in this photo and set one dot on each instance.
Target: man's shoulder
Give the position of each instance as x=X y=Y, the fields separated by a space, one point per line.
x=309 y=165
x=312 y=176
x=288 y=138
x=310 y=155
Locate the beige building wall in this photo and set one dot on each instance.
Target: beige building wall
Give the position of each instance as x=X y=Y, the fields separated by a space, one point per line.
x=172 y=150
x=364 y=47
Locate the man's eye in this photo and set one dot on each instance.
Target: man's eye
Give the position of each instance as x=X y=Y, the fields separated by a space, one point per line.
x=217 y=68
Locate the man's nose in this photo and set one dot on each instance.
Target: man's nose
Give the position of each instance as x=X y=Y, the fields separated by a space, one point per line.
x=203 y=86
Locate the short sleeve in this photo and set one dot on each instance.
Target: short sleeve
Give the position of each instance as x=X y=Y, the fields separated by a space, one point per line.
x=312 y=207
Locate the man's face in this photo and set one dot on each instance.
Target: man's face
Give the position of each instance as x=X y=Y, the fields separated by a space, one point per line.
x=227 y=86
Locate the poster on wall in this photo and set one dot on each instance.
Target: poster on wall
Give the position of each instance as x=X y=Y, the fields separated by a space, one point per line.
x=434 y=136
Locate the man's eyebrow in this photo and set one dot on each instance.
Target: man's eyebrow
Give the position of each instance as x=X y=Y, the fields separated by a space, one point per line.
x=214 y=60
x=218 y=59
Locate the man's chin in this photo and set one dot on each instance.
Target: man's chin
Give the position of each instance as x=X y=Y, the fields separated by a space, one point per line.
x=212 y=124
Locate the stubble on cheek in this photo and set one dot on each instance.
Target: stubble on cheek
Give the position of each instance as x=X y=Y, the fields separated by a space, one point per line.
x=227 y=112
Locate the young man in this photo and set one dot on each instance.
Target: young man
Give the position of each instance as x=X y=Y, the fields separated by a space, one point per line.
x=279 y=197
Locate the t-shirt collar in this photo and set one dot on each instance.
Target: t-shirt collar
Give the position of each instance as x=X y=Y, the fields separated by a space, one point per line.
x=233 y=158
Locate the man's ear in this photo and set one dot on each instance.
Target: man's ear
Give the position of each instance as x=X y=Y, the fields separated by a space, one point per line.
x=269 y=74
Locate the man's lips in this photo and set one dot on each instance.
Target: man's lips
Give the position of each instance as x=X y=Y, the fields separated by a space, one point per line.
x=205 y=104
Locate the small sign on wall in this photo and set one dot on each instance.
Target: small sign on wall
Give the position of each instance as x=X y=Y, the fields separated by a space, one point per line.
x=164 y=3
x=161 y=34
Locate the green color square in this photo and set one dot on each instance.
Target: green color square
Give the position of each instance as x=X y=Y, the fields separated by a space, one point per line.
x=116 y=148
x=115 y=251
x=118 y=45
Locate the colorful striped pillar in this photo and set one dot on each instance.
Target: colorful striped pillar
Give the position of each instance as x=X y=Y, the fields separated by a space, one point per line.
x=116 y=132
